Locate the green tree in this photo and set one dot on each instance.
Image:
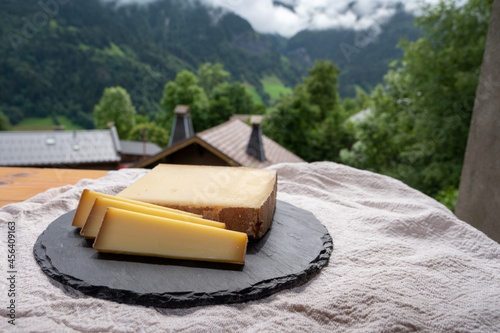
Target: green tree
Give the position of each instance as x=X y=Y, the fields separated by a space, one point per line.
x=322 y=87
x=419 y=124
x=4 y=122
x=150 y=131
x=115 y=106
x=288 y=123
x=353 y=105
x=309 y=122
x=226 y=100
x=211 y=75
x=185 y=91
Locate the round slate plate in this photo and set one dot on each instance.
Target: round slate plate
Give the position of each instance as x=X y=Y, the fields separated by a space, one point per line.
x=295 y=248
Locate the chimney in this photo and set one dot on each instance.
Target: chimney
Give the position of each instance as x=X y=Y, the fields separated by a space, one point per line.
x=255 y=146
x=182 y=128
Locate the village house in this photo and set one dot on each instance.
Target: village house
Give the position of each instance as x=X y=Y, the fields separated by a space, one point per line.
x=233 y=143
x=78 y=149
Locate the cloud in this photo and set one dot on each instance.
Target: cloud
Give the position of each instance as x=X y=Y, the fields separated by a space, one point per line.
x=120 y=3
x=287 y=17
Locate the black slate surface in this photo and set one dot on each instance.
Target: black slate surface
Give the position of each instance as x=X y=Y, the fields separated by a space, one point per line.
x=295 y=248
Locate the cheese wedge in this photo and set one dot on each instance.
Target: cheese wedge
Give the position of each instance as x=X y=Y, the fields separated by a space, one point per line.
x=128 y=232
x=100 y=206
x=242 y=198
x=87 y=201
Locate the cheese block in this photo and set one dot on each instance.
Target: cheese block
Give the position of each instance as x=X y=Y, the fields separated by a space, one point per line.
x=242 y=198
x=98 y=210
x=87 y=201
x=129 y=232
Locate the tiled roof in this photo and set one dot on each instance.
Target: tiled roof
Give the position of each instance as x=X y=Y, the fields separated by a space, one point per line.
x=137 y=147
x=59 y=147
x=231 y=138
x=181 y=145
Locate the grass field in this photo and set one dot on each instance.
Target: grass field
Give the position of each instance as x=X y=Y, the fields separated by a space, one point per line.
x=253 y=93
x=68 y=124
x=44 y=124
x=274 y=87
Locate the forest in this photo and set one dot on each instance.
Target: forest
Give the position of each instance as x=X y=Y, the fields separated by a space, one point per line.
x=412 y=126
x=56 y=60
x=416 y=122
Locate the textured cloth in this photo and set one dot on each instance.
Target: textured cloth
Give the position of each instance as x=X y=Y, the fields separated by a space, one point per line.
x=401 y=262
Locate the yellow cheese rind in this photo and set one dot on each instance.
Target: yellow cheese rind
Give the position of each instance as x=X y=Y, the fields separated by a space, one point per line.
x=87 y=201
x=134 y=233
x=242 y=198
x=96 y=215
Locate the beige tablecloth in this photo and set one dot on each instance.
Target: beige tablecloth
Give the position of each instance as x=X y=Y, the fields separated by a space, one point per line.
x=401 y=262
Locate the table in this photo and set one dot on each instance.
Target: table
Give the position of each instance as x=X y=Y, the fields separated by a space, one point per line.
x=19 y=184
x=401 y=262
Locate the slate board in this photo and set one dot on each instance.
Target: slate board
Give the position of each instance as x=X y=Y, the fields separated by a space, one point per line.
x=295 y=248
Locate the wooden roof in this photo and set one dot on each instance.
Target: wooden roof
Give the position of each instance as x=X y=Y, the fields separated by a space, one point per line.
x=229 y=141
x=231 y=138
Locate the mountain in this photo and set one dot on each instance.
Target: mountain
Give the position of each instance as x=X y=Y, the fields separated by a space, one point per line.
x=363 y=57
x=57 y=56
x=56 y=59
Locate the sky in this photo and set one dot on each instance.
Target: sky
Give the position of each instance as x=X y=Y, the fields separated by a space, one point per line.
x=287 y=17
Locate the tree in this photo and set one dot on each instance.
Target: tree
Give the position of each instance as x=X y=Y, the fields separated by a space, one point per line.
x=185 y=91
x=115 y=106
x=226 y=100
x=211 y=75
x=310 y=121
x=288 y=123
x=420 y=118
x=322 y=87
x=150 y=131
x=4 y=122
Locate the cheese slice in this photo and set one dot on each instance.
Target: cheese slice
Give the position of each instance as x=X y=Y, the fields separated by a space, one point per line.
x=242 y=198
x=129 y=232
x=87 y=201
x=98 y=210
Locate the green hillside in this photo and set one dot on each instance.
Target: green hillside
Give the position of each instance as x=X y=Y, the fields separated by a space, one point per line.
x=363 y=57
x=253 y=93
x=46 y=124
x=62 y=65
x=56 y=61
x=274 y=87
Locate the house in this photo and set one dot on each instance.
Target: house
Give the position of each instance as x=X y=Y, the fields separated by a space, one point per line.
x=133 y=151
x=84 y=149
x=233 y=143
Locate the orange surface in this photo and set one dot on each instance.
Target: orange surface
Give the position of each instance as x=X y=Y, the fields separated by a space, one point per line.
x=19 y=184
